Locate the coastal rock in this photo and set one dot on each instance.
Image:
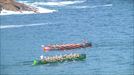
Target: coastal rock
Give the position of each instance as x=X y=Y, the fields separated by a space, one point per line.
x=12 y=5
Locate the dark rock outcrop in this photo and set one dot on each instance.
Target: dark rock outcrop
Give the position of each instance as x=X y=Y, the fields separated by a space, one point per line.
x=12 y=5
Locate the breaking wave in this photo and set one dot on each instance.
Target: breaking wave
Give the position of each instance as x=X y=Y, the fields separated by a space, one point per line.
x=61 y=3
x=40 y=10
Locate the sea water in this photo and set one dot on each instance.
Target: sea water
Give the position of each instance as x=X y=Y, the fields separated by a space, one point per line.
x=107 y=24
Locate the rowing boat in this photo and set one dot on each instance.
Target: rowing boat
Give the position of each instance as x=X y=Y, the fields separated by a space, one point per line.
x=60 y=58
x=66 y=46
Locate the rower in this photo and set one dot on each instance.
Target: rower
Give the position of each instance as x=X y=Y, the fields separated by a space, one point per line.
x=41 y=57
x=47 y=48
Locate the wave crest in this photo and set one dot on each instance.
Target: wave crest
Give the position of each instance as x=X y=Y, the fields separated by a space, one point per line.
x=62 y=3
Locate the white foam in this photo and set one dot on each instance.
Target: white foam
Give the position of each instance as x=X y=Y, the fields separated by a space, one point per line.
x=19 y=26
x=61 y=3
x=44 y=10
x=40 y=10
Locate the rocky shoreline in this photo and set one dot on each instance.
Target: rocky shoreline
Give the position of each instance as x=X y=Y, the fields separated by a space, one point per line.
x=12 y=5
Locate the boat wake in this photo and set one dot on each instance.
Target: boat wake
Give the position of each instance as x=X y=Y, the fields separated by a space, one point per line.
x=19 y=26
x=84 y=7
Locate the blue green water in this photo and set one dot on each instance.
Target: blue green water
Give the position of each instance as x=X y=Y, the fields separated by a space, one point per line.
x=109 y=25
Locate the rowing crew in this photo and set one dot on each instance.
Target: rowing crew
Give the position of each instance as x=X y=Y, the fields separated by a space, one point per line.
x=66 y=46
x=59 y=58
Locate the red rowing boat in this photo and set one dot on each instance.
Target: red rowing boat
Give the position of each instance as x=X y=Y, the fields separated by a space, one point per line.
x=66 y=46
